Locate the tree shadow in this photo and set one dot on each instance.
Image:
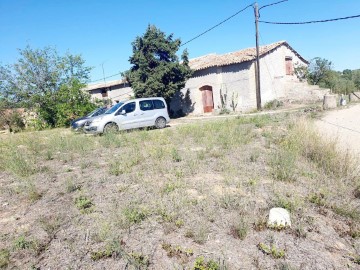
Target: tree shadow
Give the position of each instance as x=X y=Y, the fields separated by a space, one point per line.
x=182 y=104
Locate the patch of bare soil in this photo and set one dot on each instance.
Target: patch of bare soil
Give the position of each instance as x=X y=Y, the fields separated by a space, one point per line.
x=343 y=125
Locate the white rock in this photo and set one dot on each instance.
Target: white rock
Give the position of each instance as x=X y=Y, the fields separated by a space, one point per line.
x=279 y=217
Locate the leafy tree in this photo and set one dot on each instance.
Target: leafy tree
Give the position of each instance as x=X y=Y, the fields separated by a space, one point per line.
x=347 y=74
x=156 y=70
x=319 y=68
x=72 y=102
x=356 y=78
x=36 y=79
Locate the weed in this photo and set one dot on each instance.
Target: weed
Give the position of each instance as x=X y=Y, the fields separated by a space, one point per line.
x=19 y=163
x=116 y=168
x=50 y=225
x=355 y=259
x=275 y=252
x=304 y=140
x=4 y=258
x=84 y=204
x=285 y=202
x=354 y=231
x=49 y=155
x=200 y=234
x=135 y=214
x=32 y=193
x=318 y=198
x=260 y=224
x=201 y=264
x=22 y=243
x=347 y=211
x=170 y=187
x=71 y=186
x=176 y=251
x=254 y=156
x=179 y=223
x=283 y=166
x=239 y=230
x=141 y=261
x=273 y=104
x=115 y=249
x=175 y=155
x=230 y=201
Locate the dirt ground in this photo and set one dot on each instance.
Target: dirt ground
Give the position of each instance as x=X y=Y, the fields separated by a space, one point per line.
x=344 y=126
x=189 y=197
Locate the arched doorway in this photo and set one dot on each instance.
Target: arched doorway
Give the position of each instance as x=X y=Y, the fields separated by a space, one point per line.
x=207 y=98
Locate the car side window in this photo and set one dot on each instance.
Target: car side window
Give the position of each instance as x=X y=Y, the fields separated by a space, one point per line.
x=158 y=104
x=146 y=105
x=129 y=108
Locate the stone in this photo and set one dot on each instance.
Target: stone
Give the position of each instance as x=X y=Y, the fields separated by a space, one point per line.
x=279 y=217
x=329 y=101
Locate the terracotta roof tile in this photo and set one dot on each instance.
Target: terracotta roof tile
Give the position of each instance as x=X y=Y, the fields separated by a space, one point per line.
x=249 y=54
x=103 y=85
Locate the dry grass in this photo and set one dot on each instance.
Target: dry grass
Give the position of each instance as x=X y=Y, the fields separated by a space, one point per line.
x=113 y=201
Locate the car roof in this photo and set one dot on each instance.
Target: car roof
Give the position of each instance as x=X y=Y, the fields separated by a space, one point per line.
x=140 y=99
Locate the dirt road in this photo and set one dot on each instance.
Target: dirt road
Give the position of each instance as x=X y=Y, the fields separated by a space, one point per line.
x=344 y=126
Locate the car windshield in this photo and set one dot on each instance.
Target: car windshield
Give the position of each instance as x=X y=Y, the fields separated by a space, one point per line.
x=114 y=108
x=94 y=111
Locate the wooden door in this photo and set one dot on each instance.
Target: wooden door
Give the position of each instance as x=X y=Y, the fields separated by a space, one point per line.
x=289 y=66
x=207 y=98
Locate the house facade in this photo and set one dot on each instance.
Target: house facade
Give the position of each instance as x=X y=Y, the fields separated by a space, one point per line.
x=113 y=91
x=228 y=81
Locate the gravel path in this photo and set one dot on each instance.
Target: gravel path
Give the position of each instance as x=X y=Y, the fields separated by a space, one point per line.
x=344 y=125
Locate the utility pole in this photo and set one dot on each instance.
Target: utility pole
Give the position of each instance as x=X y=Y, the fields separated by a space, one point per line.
x=257 y=69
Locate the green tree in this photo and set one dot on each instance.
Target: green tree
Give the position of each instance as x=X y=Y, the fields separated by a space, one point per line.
x=36 y=78
x=319 y=68
x=156 y=70
x=356 y=78
x=347 y=74
x=71 y=102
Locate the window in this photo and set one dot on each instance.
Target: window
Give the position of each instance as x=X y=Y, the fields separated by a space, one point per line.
x=146 y=105
x=100 y=111
x=104 y=93
x=158 y=104
x=130 y=107
x=289 y=65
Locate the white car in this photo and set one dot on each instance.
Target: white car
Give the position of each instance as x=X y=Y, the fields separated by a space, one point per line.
x=135 y=113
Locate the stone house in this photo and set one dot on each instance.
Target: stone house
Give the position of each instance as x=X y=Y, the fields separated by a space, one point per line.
x=228 y=81
x=113 y=91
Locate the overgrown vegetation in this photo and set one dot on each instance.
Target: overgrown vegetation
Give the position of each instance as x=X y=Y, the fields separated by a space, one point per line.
x=153 y=199
x=320 y=72
x=47 y=83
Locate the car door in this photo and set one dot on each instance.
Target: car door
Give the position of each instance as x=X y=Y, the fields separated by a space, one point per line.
x=126 y=116
x=146 y=110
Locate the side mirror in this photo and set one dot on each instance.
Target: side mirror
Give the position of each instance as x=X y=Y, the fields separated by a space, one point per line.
x=123 y=112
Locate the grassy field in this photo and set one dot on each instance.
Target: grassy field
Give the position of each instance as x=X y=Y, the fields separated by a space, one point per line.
x=195 y=196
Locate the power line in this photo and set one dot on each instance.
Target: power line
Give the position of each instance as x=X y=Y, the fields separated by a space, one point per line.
x=273 y=4
x=319 y=21
x=340 y=126
x=220 y=23
x=196 y=37
x=203 y=33
x=106 y=77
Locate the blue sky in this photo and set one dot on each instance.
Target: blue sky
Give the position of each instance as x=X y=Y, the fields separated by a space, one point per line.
x=102 y=31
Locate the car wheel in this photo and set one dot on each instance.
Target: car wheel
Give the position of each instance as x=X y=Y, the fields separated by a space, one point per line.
x=111 y=128
x=160 y=122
